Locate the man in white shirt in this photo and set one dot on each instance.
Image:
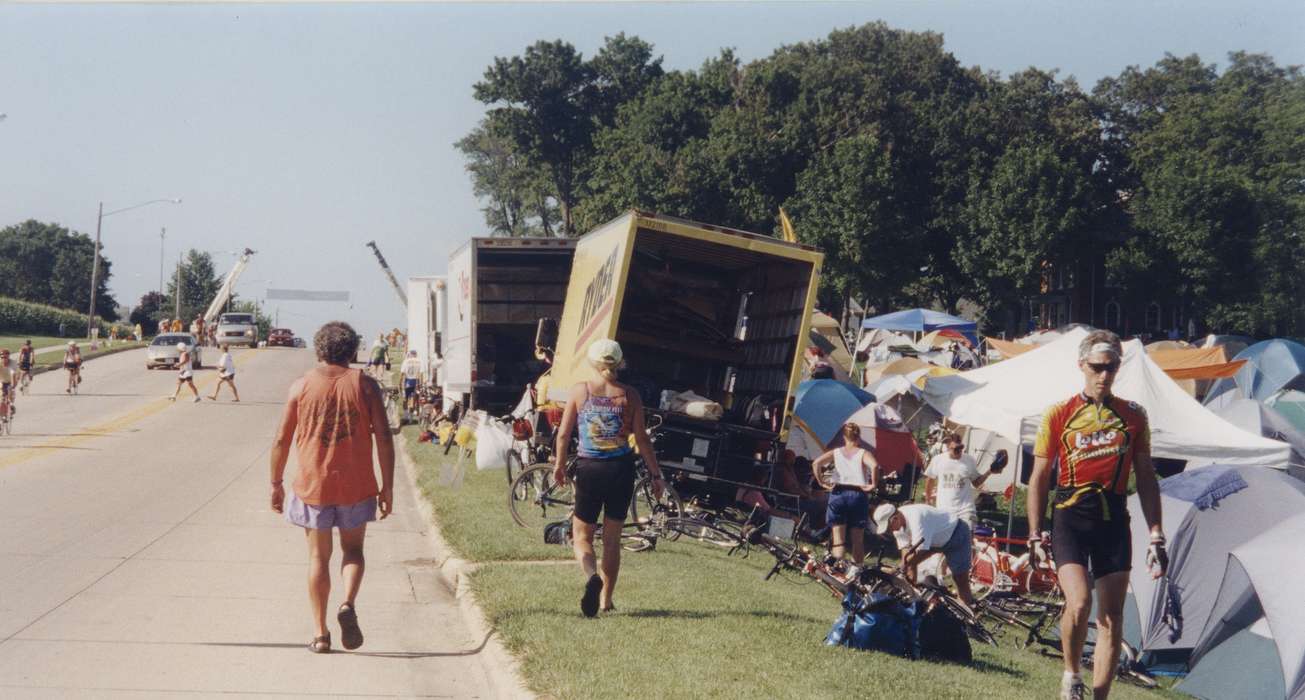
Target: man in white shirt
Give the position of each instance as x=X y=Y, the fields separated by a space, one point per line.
x=952 y=480
x=922 y=531
x=411 y=371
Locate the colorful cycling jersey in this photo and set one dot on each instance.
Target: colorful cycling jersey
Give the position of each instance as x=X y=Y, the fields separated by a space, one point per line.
x=1096 y=443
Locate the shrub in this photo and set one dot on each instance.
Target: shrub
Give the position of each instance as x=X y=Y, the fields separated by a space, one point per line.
x=38 y=319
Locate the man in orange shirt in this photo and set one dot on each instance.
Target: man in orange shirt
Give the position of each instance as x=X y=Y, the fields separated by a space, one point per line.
x=332 y=415
x=1096 y=438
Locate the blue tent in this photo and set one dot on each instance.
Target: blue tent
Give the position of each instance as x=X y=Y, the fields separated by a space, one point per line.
x=922 y=320
x=823 y=405
x=1272 y=365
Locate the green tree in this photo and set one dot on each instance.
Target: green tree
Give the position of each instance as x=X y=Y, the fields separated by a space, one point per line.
x=552 y=101
x=516 y=195
x=1211 y=168
x=148 y=312
x=199 y=286
x=49 y=264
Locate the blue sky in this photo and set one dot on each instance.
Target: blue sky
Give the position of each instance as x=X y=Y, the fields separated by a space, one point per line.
x=303 y=131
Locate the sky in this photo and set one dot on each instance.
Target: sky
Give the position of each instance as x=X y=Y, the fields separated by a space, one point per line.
x=304 y=131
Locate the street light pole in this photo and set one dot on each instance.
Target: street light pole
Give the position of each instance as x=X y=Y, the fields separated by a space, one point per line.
x=95 y=264
x=176 y=314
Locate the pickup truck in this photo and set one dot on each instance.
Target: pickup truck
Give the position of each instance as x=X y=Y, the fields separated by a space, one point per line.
x=237 y=329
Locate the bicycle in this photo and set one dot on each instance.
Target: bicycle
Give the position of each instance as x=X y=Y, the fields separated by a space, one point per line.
x=6 y=416
x=25 y=382
x=535 y=499
x=839 y=576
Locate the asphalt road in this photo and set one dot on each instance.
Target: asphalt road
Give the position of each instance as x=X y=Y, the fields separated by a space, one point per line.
x=139 y=556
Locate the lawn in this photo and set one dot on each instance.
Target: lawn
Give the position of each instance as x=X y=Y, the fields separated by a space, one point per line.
x=13 y=342
x=690 y=621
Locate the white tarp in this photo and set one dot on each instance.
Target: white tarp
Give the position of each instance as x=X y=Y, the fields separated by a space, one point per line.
x=1010 y=397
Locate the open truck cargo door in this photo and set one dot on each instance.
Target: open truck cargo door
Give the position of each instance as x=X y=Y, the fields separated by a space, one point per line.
x=716 y=311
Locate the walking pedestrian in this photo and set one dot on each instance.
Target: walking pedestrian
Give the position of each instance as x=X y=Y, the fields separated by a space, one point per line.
x=1097 y=439
x=952 y=480
x=606 y=413
x=72 y=361
x=226 y=374
x=333 y=415
x=185 y=373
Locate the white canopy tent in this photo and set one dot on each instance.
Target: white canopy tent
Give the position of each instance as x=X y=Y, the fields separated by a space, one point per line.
x=1009 y=398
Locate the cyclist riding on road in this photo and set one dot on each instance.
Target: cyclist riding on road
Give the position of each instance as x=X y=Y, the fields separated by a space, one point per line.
x=72 y=361
x=26 y=355
x=1097 y=439
x=8 y=379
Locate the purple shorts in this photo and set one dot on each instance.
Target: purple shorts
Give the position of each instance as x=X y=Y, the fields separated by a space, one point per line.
x=345 y=517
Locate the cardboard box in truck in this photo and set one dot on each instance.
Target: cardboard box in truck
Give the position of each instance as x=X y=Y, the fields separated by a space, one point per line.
x=427 y=319
x=720 y=312
x=499 y=288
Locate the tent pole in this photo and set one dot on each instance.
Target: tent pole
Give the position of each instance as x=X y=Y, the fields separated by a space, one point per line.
x=1014 y=490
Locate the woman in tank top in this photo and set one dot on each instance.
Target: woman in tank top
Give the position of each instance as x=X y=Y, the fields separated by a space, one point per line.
x=854 y=477
x=606 y=413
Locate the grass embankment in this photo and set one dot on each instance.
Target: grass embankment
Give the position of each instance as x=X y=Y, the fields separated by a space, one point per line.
x=14 y=342
x=690 y=621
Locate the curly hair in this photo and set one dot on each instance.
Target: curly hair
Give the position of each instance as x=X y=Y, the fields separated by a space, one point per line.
x=336 y=343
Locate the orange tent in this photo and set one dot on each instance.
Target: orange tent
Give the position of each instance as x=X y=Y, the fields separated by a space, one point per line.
x=1009 y=348
x=1196 y=363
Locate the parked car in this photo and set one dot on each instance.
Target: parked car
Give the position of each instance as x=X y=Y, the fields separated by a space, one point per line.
x=237 y=329
x=163 y=351
x=300 y=343
x=283 y=337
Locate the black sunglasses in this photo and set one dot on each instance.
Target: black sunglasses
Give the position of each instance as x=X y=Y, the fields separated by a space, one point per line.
x=1103 y=367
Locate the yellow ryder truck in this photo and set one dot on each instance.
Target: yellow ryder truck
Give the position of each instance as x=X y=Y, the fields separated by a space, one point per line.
x=716 y=311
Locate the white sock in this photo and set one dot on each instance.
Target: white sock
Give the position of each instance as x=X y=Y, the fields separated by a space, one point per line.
x=1069 y=678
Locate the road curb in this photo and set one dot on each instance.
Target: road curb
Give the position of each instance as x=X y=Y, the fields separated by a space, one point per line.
x=502 y=669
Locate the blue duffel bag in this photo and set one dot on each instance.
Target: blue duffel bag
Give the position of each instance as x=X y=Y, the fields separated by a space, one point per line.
x=878 y=622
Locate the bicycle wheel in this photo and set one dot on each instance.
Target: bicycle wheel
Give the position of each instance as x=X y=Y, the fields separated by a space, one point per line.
x=514 y=466
x=394 y=413
x=973 y=627
x=535 y=500
x=651 y=513
x=703 y=531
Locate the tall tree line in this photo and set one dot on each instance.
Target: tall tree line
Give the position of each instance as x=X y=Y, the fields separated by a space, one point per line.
x=924 y=181
x=49 y=264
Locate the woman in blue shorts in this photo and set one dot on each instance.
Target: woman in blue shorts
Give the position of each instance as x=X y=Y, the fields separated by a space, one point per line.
x=855 y=476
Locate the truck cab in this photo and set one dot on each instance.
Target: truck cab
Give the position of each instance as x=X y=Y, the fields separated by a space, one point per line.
x=237 y=328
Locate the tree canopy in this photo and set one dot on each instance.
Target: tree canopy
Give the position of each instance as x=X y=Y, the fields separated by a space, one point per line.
x=49 y=264
x=924 y=181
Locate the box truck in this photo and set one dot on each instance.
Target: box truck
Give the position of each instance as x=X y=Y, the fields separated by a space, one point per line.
x=427 y=319
x=500 y=288
x=720 y=312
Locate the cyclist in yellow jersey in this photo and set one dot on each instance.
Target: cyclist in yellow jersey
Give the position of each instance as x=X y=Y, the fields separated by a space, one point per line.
x=1095 y=440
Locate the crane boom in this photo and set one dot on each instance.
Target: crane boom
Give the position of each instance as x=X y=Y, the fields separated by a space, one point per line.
x=385 y=267
x=224 y=292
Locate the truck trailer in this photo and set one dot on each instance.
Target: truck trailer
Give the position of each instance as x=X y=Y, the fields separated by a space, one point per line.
x=501 y=287
x=716 y=311
x=427 y=321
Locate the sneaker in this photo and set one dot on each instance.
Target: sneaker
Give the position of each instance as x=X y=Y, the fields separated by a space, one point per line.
x=1074 y=690
x=589 y=602
x=197 y=399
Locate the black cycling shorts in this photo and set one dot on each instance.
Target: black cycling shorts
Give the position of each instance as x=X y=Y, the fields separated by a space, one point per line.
x=1101 y=546
x=603 y=486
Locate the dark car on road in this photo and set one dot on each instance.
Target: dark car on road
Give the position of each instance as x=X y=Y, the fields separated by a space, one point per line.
x=283 y=337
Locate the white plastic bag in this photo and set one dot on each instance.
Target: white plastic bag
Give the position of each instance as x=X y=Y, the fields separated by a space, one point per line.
x=692 y=404
x=493 y=443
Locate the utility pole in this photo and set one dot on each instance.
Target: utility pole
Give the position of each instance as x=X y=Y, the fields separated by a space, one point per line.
x=177 y=312
x=95 y=271
x=162 y=235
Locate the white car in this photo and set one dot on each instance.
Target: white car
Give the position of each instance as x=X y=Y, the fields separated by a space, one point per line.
x=237 y=329
x=163 y=351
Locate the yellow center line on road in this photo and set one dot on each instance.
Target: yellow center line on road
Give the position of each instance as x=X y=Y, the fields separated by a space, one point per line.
x=109 y=427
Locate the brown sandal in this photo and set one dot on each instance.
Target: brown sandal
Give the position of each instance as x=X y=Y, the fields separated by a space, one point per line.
x=320 y=645
x=351 y=635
